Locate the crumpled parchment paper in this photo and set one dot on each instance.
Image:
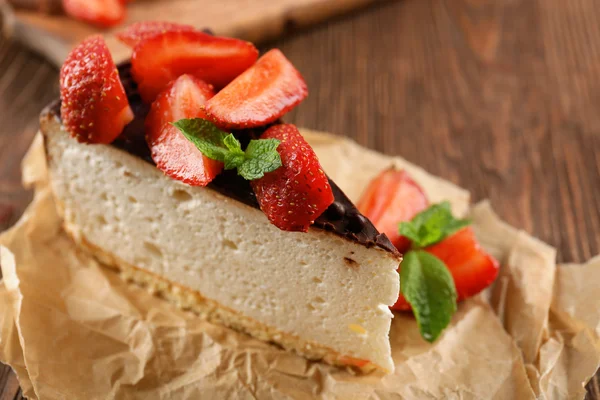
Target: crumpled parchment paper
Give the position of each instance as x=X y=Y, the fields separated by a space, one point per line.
x=72 y=329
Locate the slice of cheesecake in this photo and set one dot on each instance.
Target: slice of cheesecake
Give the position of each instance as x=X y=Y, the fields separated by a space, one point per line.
x=274 y=249
x=323 y=294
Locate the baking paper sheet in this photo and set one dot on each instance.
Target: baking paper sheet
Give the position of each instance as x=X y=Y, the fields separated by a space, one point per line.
x=72 y=329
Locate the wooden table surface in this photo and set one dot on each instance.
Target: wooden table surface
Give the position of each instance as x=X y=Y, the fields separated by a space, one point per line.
x=500 y=97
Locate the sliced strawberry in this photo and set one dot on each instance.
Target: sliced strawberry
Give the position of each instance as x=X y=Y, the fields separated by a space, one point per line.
x=471 y=267
x=171 y=151
x=94 y=107
x=296 y=193
x=102 y=13
x=161 y=58
x=139 y=31
x=262 y=94
x=392 y=197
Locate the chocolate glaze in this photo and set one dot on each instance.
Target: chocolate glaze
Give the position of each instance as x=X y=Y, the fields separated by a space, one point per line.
x=341 y=218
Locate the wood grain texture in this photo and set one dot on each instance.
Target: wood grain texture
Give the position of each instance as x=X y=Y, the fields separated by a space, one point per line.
x=54 y=35
x=500 y=97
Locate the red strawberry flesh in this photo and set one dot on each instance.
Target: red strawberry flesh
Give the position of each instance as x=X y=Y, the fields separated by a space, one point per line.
x=94 y=106
x=136 y=33
x=295 y=194
x=261 y=95
x=161 y=58
x=173 y=154
x=472 y=268
x=392 y=197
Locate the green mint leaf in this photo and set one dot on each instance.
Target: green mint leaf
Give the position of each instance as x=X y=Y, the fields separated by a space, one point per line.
x=234 y=159
x=432 y=225
x=409 y=230
x=427 y=285
x=261 y=157
x=209 y=139
x=232 y=144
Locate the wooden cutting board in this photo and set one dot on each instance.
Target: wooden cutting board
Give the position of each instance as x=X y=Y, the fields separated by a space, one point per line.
x=253 y=20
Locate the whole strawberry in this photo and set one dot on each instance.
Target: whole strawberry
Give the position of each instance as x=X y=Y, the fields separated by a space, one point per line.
x=94 y=107
x=295 y=194
x=101 y=13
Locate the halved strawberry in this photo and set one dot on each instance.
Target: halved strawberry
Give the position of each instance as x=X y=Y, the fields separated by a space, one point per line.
x=392 y=197
x=471 y=267
x=296 y=193
x=262 y=94
x=171 y=151
x=94 y=106
x=161 y=58
x=139 y=31
x=102 y=13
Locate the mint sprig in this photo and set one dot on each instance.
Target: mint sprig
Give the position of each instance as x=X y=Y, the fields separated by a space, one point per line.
x=432 y=225
x=260 y=157
x=425 y=280
x=427 y=285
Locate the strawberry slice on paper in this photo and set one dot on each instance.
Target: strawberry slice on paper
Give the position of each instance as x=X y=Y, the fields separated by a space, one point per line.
x=296 y=193
x=102 y=13
x=173 y=154
x=94 y=106
x=392 y=197
x=261 y=95
x=472 y=268
x=161 y=58
x=136 y=33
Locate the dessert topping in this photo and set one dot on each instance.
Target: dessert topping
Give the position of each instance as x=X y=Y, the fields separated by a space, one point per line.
x=161 y=58
x=177 y=68
x=171 y=151
x=94 y=106
x=260 y=95
x=285 y=174
x=294 y=195
x=259 y=157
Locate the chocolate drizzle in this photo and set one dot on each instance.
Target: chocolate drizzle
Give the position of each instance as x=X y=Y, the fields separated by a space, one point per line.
x=341 y=218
